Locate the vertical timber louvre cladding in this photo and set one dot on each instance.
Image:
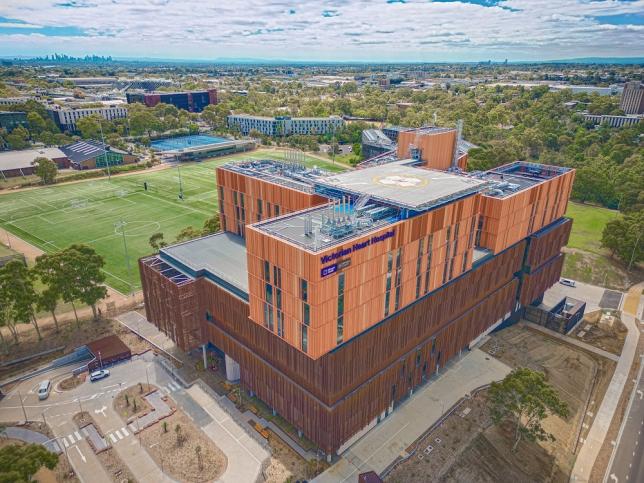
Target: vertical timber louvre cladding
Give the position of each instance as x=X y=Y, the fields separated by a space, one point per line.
x=364 y=298
x=436 y=148
x=172 y=307
x=505 y=221
x=261 y=200
x=332 y=338
x=335 y=396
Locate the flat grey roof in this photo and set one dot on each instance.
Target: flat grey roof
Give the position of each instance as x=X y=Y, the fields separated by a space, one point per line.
x=24 y=158
x=403 y=185
x=222 y=255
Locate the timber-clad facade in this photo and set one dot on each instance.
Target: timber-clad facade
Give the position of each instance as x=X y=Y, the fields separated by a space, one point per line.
x=333 y=323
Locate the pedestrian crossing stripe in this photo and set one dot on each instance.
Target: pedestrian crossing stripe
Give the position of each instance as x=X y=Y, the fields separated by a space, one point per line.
x=118 y=434
x=65 y=442
x=125 y=431
x=77 y=434
x=112 y=438
x=71 y=438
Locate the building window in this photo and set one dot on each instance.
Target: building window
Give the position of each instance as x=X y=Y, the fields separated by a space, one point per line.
x=208 y=316
x=305 y=338
x=259 y=210
x=390 y=263
x=306 y=313
x=280 y=323
x=278 y=299
x=269 y=293
x=267 y=271
x=277 y=276
x=428 y=269
x=340 y=319
x=419 y=263
x=277 y=210
x=304 y=290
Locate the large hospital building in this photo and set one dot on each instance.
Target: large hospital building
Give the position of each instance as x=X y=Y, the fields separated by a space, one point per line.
x=333 y=296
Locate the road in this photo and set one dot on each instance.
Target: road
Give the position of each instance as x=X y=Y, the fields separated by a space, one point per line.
x=96 y=398
x=244 y=454
x=628 y=462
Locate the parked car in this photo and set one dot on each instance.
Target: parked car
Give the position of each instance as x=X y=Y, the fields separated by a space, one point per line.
x=98 y=375
x=567 y=282
x=43 y=389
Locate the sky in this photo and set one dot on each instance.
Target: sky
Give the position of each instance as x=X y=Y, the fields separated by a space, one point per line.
x=338 y=30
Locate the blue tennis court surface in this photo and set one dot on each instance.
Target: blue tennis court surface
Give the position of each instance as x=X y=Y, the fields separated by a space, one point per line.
x=185 y=142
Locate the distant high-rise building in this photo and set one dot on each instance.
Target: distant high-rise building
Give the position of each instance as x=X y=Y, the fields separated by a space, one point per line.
x=194 y=101
x=633 y=98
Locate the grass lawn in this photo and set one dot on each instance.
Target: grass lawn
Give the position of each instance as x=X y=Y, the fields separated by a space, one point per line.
x=90 y=212
x=588 y=223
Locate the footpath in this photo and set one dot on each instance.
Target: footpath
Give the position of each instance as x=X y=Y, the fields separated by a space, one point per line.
x=595 y=439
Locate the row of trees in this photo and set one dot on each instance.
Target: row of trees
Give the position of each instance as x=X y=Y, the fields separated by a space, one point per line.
x=210 y=226
x=73 y=275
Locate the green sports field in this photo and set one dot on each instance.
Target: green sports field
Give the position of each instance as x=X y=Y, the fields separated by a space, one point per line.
x=92 y=212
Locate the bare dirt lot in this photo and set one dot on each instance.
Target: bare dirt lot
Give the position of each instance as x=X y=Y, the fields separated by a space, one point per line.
x=604 y=330
x=470 y=449
x=286 y=465
x=178 y=456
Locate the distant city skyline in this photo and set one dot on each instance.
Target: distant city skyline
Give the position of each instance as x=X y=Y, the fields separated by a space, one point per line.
x=350 y=30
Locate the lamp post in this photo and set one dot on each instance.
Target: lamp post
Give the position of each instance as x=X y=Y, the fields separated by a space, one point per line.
x=24 y=412
x=109 y=173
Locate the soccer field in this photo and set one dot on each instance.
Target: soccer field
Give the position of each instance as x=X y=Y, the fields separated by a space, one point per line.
x=92 y=212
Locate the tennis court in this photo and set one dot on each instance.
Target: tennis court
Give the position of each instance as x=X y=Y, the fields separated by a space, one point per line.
x=112 y=216
x=184 y=142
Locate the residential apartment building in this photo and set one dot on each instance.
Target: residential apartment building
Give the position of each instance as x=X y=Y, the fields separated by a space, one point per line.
x=284 y=125
x=613 y=121
x=193 y=101
x=632 y=101
x=66 y=116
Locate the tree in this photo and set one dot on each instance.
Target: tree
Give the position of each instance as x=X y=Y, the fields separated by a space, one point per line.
x=46 y=169
x=156 y=241
x=18 y=287
x=19 y=463
x=211 y=225
x=83 y=271
x=36 y=123
x=188 y=233
x=526 y=399
x=623 y=237
x=48 y=270
x=90 y=126
x=199 y=460
x=18 y=139
x=177 y=431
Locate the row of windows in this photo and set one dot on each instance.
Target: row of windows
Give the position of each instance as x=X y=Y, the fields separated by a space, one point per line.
x=273 y=305
x=269 y=208
x=340 y=320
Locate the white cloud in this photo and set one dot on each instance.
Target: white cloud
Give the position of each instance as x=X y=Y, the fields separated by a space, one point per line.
x=333 y=30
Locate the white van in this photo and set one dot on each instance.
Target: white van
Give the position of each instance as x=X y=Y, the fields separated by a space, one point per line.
x=43 y=389
x=567 y=282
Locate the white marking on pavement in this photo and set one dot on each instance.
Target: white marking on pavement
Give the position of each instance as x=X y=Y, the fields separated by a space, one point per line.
x=71 y=438
x=77 y=434
x=613 y=477
x=112 y=438
x=165 y=389
x=118 y=433
x=81 y=454
x=65 y=442
x=125 y=431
